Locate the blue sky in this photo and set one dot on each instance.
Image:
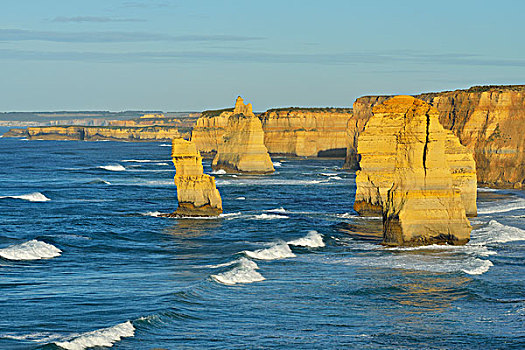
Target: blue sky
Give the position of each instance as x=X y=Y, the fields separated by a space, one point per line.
x=194 y=55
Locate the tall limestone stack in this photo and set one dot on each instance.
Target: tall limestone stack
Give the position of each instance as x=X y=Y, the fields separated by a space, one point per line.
x=242 y=148
x=196 y=192
x=488 y=120
x=377 y=150
x=404 y=167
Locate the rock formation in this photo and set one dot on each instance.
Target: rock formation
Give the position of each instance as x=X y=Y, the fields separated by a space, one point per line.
x=405 y=169
x=488 y=120
x=196 y=192
x=209 y=130
x=306 y=132
x=242 y=148
x=96 y=133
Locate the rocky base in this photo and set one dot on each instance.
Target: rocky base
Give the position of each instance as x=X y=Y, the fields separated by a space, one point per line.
x=189 y=210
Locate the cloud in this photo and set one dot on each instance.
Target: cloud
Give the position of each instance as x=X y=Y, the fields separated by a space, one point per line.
x=112 y=37
x=145 y=4
x=372 y=59
x=94 y=19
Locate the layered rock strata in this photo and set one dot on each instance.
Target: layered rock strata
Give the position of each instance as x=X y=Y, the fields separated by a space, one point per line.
x=488 y=120
x=196 y=191
x=306 y=132
x=404 y=167
x=242 y=148
x=97 y=133
x=209 y=130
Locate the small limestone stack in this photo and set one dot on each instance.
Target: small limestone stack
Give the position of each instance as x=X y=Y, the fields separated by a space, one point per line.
x=406 y=173
x=377 y=148
x=242 y=148
x=196 y=192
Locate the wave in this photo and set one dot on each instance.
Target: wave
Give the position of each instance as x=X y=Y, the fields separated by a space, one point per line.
x=277 y=210
x=271 y=182
x=498 y=207
x=113 y=167
x=230 y=215
x=478 y=270
x=218 y=172
x=269 y=217
x=99 y=181
x=100 y=337
x=244 y=272
x=313 y=240
x=30 y=250
x=32 y=197
x=240 y=198
x=469 y=248
x=276 y=164
x=486 y=189
x=335 y=178
x=152 y=213
x=495 y=232
x=164 y=145
x=142 y=161
x=277 y=251
x=346 y=216
x=329 y=174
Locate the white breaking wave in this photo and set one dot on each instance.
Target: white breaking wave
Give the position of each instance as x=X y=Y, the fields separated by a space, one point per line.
x=219 y=172
x=313 y=240
x=277 y=251
x=277 y=210
x=346 y=216
x=142 y=161
x=271 y=182
x=486 y=189
x=240 y=198
x=470 y=248
x=498 y=207
x=269 y=217
x=484 y=266
x=113 y=167
x=152 y=213
x=165 y=145
x=277 y=164
x=244 y=272
x=100 y=337
x=31 y=250
x=495 y=232
x=230 y=215
x=32 y=197
x=335 y=178
x=329 y=174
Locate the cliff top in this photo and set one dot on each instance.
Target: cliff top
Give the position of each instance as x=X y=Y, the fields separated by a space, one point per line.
x=312 y=109
x=403 y=104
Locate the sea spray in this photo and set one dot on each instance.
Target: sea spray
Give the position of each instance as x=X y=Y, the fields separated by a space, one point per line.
x=313 y=240
x=277 y=251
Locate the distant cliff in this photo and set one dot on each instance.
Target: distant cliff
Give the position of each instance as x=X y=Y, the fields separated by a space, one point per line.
x=95 y=133
x=488 y=120
x=306 y=132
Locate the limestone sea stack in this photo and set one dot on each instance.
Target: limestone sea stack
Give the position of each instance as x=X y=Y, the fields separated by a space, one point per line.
x=405 y=169
x=196 y=192
x=242 y=149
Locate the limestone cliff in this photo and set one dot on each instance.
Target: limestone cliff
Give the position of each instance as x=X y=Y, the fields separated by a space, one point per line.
x=488 y=120
x=420 y=204
x=209 y=129
x=306 y=132
x=196 y=192
x=242 y=148
x=113 y=133
x=377 y=149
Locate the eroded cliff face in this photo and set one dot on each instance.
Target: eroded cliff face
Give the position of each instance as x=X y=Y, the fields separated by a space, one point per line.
x=489 y=121
x=196 y=192
x=378 y=151
x=209 y=130
x=309 y=132
x=95 y=133
x=404 y=166
x=242 y=146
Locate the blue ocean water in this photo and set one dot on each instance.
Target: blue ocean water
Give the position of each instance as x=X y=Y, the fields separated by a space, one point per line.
x=85 y=261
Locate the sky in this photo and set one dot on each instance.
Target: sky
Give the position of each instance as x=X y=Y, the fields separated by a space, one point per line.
x=195 y=55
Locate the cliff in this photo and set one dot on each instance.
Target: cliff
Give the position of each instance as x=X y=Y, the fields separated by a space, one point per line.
x=196 y=192
x=488 y=120
x=306 y=132
x=182 y=120
x=95 y=133
x=378 y=148
x=420 y=204
x=242 y=148
x=209 y=129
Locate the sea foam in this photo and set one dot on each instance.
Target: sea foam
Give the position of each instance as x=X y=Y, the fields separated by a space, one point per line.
x=269 y=217
x=32 y=197
x=496 y=232
x=31 y=250
x=498 y=207
x=245 y=271
x=100 y=337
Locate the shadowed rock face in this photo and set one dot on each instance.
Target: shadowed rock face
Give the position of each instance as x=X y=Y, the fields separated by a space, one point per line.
x=405 y=171
x=196 y=192
x=242 y=148
x=489 y=121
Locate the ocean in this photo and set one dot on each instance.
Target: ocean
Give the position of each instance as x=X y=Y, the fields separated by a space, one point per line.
x=85 y=261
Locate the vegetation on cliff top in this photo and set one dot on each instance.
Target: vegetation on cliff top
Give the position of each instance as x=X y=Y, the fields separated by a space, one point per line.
x=312 y=109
